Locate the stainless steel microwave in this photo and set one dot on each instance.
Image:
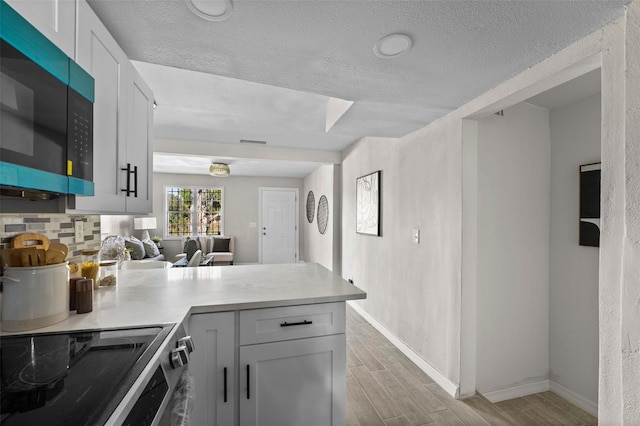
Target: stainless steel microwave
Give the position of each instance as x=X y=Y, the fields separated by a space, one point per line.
x=46 y=113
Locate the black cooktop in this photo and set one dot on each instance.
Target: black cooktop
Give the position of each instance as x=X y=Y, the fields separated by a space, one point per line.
x=72 y=378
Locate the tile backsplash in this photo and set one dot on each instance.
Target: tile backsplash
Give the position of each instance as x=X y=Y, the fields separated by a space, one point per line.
x=59 y=228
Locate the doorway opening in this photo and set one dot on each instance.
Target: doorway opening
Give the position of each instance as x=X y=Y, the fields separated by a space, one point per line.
x=530 y=291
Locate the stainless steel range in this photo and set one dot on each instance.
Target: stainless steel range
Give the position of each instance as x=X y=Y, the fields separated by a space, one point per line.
x=92 y=377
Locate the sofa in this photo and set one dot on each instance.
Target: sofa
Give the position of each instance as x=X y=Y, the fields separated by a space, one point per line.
x=220 y=247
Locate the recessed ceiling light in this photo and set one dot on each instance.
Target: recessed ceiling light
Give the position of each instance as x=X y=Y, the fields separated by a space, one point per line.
x=392 y=46
x=211 y=10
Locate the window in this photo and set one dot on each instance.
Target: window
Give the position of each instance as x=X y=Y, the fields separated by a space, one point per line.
x=193 y=211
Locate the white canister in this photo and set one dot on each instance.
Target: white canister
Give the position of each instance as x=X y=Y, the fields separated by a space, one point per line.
x=34 y=296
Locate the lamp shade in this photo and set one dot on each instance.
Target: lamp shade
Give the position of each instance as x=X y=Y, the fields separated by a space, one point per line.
x=144 y=223
x=219 y=169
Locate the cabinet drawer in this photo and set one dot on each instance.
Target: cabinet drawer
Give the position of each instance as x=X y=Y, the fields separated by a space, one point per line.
x=291 y=322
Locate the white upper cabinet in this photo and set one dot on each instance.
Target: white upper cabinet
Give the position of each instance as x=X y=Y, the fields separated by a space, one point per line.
x=122 y=122
x=139 y=158
x=99 y=54
x=56 y=19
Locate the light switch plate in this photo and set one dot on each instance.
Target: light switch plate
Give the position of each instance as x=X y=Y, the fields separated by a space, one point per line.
x=79 y=231
x=416 y=236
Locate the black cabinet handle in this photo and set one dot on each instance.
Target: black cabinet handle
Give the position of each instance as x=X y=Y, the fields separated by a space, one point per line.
x=135 y=182
x=128 y=170
x=128 y=190
x=291 y=324
x=225 y=384
x=248 y=380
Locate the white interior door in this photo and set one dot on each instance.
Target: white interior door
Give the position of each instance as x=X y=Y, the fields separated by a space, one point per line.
x=278 y=225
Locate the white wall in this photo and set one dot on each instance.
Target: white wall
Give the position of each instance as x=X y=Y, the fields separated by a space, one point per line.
x=319 y=247
x=120 y=225
x=240 y=208
x=413 y=290
x=573 y=298
x=513 y=248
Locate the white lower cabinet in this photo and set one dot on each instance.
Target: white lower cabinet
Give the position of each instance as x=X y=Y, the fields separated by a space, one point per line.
x=291 y=383
x=212 y=365
x=284 y=366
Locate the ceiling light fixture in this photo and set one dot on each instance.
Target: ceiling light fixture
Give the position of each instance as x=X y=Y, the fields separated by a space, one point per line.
x=219 y=169
x=392 y=46
x=253 y=141
x=211 y=10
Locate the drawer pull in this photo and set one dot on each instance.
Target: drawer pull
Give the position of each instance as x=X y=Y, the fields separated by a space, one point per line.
x=290 y=324
x=225 y=384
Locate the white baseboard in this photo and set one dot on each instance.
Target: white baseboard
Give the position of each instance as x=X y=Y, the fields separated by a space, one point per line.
x=517 y=391
x=577 y=400
x=444 y=382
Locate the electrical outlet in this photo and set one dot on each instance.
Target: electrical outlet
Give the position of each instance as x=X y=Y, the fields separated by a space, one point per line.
x=416 y=236
x=79 y=231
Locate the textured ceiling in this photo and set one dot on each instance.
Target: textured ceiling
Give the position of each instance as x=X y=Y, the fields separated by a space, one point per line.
x=309 y=50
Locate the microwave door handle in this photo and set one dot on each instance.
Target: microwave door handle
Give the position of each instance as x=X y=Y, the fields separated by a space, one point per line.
x=135 y=181
x=128 y=170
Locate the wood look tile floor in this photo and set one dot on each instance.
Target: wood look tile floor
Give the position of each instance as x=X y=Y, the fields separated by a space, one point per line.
x=385 y=388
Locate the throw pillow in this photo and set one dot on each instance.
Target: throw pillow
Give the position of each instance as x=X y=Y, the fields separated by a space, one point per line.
x=221 y=245
x=190 y=247
x=136 y=246
x=187 y=243
x=206 y=244
x=150 y=248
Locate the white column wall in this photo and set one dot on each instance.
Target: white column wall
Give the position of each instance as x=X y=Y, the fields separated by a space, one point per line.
x=629 y=297
x=513 y=249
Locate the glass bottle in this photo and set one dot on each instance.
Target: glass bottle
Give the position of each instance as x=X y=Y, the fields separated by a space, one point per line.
x=90 y=266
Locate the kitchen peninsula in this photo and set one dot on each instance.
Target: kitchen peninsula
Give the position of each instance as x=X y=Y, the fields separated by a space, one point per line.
x=155 y=296
x=269 y=340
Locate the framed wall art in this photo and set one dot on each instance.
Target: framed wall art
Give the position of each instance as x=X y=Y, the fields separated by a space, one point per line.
x=311 y=206
x=368 y=204
x=590 y=204
x=323 y=214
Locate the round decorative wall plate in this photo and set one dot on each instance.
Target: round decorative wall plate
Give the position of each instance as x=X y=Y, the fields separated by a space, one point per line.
x=323 y=214
x=311 y=206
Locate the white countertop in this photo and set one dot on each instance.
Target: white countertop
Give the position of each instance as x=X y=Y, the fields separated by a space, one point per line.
x=158 y=296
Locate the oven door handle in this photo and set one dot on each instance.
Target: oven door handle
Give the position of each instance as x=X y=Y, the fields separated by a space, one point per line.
x=225 y=384
x=248 y=382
